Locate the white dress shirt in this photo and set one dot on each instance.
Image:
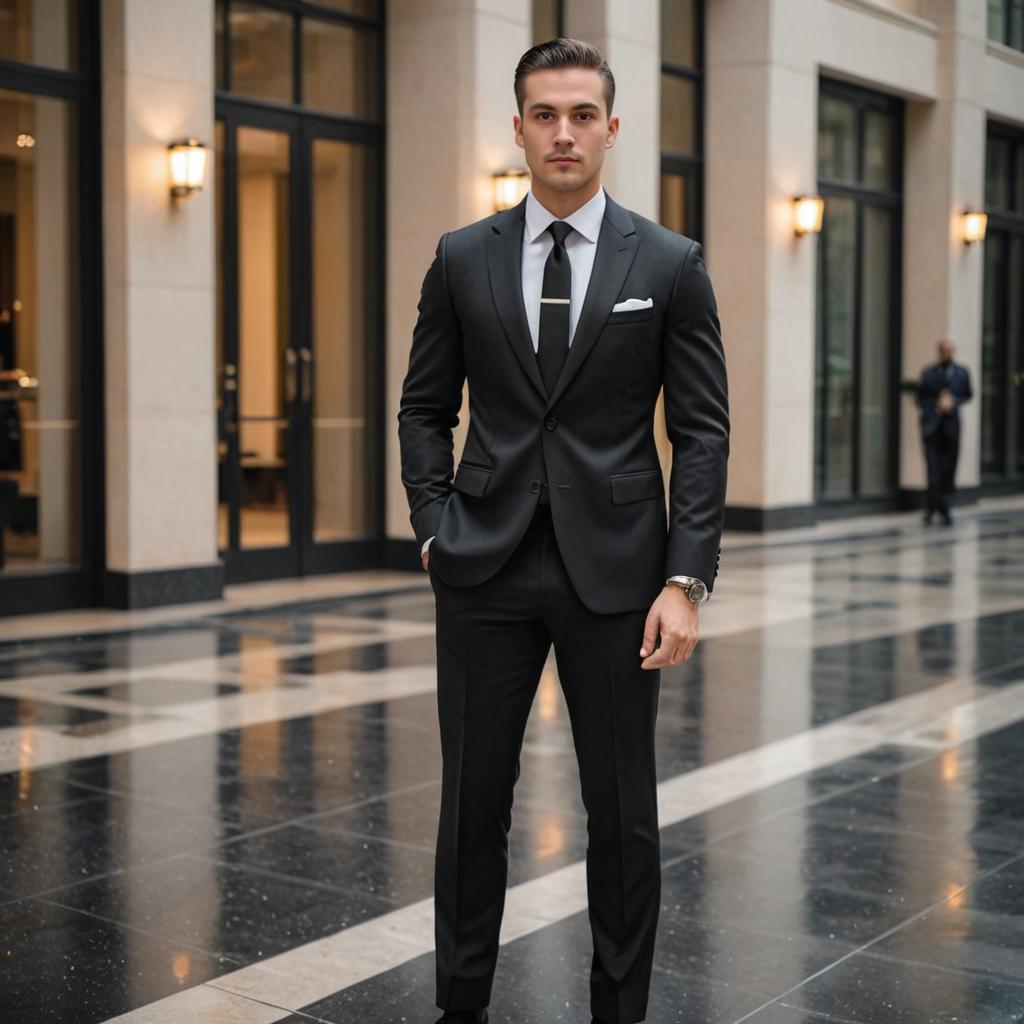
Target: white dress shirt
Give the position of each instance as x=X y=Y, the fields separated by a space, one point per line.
x=580 y=246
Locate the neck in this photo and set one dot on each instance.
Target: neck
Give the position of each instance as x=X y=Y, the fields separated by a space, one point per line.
x=563 y=204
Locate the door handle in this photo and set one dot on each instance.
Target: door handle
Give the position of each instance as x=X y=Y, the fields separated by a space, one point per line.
x=307 y=374
x=290 y=373
x=229 y=403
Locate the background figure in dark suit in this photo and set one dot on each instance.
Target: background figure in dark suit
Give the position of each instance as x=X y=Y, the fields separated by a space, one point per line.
x=943 y=388
x=567 y=314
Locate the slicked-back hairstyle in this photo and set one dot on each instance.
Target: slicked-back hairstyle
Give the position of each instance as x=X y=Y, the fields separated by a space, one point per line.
x=564 y=53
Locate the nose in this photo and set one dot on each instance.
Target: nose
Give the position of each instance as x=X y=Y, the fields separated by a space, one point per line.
x=564 y=134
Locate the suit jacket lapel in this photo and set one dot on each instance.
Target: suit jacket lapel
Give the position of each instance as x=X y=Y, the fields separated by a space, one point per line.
x=505 y=267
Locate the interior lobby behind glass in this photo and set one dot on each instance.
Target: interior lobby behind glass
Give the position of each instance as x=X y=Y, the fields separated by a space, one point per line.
x=39 y=342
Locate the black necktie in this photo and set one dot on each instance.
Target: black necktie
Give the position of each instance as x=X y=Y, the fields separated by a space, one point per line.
x=553 y=337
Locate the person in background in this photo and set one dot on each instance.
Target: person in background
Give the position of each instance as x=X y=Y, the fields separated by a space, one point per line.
x=943 y=388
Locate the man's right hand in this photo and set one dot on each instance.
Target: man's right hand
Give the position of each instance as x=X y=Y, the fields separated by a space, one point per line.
x=425 y=558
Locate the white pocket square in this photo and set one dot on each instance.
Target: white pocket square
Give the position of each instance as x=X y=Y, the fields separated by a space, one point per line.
x=621 y=307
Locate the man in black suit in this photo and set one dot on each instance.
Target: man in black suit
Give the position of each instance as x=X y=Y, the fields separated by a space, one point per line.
x=567 y=314
x=943 y=388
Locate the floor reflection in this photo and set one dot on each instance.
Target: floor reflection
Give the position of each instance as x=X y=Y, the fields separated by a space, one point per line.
x=182 y=803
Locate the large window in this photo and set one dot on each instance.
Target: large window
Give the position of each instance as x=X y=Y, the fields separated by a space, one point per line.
x=1002 y=336
x=50 y=366
x=682 y=128
x=857 y=348
x=1006 y=22
x=304 y=57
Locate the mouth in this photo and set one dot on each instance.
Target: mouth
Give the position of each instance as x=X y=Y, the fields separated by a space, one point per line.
x=564 y=160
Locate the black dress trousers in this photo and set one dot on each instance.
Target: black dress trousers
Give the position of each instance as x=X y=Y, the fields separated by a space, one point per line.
x=942 y=449
x=492 y=642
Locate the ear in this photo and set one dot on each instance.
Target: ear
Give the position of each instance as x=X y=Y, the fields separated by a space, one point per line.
x=517 y=127
x=613 y=131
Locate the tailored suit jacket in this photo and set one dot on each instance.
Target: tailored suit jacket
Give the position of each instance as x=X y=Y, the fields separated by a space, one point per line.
x=592 y=438
x=933 y=380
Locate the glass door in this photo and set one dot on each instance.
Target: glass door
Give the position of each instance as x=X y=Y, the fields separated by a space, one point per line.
x=298 y=328
x=52 y=550
x=1002 y=357
x=342 y=354
x=261 y=383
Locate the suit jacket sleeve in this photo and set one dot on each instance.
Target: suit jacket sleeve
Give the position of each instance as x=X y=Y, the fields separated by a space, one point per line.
x=431 y=399
x=926 y=392
x=697 y=422
x=968 y=392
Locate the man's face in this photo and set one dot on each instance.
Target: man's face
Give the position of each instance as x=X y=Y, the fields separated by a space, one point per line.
x=945 y=351
x=565 y=128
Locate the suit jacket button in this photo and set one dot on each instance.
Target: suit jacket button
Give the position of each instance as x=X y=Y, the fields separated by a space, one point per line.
x=551 y=422
x=535 y=486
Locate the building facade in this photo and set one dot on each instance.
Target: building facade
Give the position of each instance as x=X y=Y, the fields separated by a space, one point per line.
x=199 y=390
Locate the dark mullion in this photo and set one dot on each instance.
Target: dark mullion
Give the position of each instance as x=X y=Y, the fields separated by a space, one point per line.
x=681 y=70
x=822 y=351
x=297 y=89
x=318 y=11
x=47 y=81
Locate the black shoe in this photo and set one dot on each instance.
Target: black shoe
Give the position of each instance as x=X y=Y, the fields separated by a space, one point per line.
x=928 y=518
x=947 y=519
x=463 y=1017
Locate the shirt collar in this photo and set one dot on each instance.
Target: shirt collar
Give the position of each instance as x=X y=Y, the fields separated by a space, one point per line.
x=586 y=220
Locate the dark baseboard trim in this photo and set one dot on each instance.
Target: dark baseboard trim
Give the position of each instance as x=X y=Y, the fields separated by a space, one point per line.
x=401 y=554
x=156 y=587
x=747 y=518
x=744 y=518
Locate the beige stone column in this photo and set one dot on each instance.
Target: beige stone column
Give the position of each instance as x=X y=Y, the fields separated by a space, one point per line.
x=449 y=128
x=159 y=305
x=760 y=145
x=628 y=33
x=942 y=277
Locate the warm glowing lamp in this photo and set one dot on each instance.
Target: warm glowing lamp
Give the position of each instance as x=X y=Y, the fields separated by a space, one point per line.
x=510 y=187
x=807 y=214
x=974 y=226
x=187 y=166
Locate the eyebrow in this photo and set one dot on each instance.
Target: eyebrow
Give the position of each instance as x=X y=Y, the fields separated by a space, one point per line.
x=550 y=106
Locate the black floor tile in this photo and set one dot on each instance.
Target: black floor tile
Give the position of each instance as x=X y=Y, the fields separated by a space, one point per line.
x=227 y=909
x=392 y=873
x=870 y=989
x=58 y=846
x=719 y=889
x=71 y=968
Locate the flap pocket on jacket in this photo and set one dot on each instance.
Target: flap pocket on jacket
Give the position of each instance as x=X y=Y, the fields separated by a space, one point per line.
x=471 y=479
x=647 y=483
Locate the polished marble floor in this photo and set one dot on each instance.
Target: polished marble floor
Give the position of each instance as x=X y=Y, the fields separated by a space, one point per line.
x=228 y=815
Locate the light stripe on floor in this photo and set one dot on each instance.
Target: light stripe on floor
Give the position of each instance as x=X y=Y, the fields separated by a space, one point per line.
x=937 y=719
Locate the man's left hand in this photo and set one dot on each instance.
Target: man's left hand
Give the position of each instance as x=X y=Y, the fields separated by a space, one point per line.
x=677 y=619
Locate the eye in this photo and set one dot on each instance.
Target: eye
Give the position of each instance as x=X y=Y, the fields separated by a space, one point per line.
x=589 y=117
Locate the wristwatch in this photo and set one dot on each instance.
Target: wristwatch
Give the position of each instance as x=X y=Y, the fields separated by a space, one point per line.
x=694 y=588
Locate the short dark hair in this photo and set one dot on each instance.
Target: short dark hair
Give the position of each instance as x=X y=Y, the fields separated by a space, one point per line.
x=564 y=53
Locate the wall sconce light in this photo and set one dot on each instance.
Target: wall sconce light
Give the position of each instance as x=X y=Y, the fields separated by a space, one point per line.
x=187 y=159
x=807 y=214
x=974 y=226
x=510 y=187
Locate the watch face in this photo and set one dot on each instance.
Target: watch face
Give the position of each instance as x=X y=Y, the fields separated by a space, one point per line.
x=698 y=592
